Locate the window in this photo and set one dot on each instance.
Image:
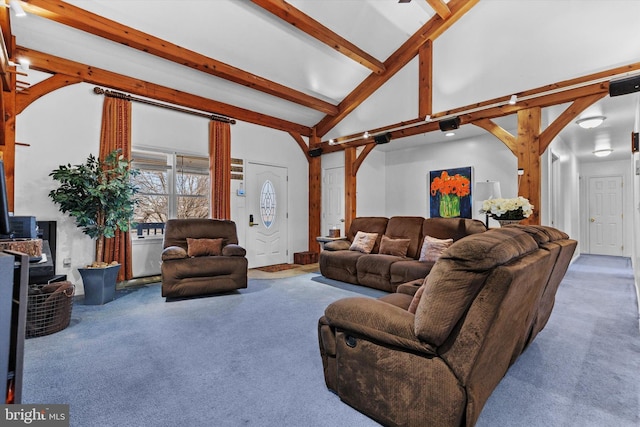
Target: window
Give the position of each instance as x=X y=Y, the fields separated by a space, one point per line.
x=170 y=186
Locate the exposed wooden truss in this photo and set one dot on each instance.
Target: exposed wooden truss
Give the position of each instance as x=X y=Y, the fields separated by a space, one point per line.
x=55 y=65
x=305 y=23
x=401 y=57
x=83 y=20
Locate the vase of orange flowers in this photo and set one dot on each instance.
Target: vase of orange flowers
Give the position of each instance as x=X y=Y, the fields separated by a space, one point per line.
x=451 y=189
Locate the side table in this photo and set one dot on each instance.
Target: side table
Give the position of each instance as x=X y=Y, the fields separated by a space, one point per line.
x=324 y=239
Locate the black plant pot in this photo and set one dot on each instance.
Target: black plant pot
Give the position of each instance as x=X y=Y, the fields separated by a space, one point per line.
x=99 y=284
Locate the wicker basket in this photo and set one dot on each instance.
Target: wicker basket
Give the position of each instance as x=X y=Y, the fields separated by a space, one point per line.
x=49 y=308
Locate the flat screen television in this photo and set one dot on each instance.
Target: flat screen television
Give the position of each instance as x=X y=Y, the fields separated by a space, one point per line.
x=5 y=228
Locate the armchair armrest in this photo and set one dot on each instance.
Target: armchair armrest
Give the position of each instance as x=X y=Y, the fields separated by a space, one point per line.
x=378 y=320
x=234 y=250
x=337 y=245
x=173 y=252
x=410 y=288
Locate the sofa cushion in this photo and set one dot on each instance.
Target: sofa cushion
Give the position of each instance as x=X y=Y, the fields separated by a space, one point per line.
x=410 y=269
x=432 y=248
x=407 y=227
x=204 y=247
x=396 y=247
x=374 y=270
x=459 y=274
x=340 y=265
x=363 y=242
x=368 y=224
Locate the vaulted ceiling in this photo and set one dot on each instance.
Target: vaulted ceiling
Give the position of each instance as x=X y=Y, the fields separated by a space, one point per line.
x=341 y=67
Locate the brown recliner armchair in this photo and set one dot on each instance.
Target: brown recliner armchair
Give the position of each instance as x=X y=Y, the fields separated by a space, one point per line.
x=201 y=257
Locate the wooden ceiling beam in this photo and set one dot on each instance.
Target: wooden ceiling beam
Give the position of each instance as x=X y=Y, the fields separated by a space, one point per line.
x=55 y=65
x=315 y=29
x=80 y=19
x=401 y=57
x=544 y=96
x=440 y=7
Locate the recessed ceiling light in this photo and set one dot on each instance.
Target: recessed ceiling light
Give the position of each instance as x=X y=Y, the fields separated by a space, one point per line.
x=604 y=152
x=591 y=122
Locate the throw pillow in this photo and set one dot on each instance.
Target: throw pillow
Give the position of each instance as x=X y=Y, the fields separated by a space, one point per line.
x=364 y=242
x=204 y=247
x=432 y=248
x=396 y=247
x=416 y=300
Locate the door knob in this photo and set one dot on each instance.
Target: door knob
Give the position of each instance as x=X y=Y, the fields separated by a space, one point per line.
x=251 y=223
x=592 y=219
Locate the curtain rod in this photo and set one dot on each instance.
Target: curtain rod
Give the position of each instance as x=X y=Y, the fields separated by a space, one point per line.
x=113 y=94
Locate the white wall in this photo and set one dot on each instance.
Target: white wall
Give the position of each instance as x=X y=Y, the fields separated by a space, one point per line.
x=64 y=127
x=407 y=172
x=566 y=215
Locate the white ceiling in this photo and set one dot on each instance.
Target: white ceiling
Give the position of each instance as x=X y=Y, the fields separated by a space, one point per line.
x=498 y=48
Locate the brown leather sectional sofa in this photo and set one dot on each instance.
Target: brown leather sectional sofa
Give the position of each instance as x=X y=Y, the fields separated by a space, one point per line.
x=386 y=272
x=435 y=357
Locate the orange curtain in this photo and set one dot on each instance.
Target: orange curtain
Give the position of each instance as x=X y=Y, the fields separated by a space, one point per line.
x=116 y=134
x=220 y=169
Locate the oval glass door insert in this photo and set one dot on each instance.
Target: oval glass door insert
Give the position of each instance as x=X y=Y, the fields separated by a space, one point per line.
x=268 y=204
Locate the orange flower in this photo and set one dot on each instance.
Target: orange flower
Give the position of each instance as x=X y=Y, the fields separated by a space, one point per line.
x=445 y=184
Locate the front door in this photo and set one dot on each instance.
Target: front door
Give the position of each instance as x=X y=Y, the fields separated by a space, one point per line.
x=266 y=195
x=605 y=215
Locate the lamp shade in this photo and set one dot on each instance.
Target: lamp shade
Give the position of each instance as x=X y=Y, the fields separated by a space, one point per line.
x=486 y=190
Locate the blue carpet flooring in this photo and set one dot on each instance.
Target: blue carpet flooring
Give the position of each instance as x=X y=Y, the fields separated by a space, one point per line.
x=250 y=358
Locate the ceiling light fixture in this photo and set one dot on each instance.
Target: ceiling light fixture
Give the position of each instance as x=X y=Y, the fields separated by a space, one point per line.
x=513 y=99
x=590 y=122
x=450 y=134
x=604 y=152
x=17 y=8
x=365 y=135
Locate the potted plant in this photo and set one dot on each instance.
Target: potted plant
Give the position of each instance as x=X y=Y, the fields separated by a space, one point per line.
x=99 y=194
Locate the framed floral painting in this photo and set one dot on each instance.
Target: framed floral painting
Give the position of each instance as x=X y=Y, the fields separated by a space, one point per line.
x=450 y=193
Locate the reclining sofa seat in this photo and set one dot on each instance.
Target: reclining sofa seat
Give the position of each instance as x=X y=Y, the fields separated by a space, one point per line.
x=386 y=272
x=483 y=302
x=202 y=275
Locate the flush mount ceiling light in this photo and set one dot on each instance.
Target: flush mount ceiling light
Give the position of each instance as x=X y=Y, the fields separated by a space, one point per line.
x=590 y=122
x=604 y=152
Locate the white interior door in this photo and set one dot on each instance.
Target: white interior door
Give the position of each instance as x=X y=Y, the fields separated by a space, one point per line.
x=266 y=198
x=332 y=200
x=605 y=215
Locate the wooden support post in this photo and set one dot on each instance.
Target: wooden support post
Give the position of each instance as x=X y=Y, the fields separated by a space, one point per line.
x=425 y=71
x=315 y=202
x=315 y=190
x=350 y=186
x=528 y=148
